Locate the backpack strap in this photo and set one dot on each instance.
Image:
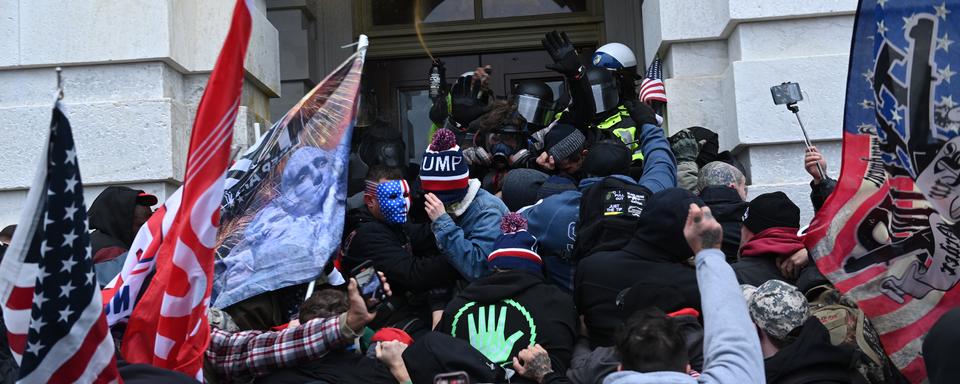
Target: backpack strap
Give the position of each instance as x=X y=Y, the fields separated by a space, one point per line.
x=862 y=341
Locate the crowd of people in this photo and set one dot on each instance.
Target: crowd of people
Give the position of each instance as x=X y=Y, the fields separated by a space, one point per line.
x=548 y=239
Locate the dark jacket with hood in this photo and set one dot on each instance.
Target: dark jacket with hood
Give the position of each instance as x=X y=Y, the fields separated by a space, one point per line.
x=337 y=366
x=727 y=207
x=436 y=352
x=820 y=192
x=811 y=358
x=111 y=220
x=657 y=254
x=940 y=349
x=407 y=256
x=543 y=314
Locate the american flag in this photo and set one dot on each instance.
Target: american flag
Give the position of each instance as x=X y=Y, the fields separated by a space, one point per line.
x=51 y=304
x=651 y=88
x=888 y=235
x=168 y=326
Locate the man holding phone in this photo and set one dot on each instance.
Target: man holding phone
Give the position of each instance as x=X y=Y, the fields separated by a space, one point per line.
x=383 y=240
x=244 y=355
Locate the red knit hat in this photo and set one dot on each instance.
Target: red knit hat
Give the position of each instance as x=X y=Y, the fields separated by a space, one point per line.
x=392 y=334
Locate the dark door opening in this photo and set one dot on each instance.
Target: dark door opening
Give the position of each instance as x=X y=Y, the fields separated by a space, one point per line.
x=399 y=87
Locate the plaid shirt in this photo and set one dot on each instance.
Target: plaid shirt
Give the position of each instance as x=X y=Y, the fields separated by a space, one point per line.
x=242 y=356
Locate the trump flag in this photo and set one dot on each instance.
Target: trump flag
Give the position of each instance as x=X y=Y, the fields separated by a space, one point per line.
x=284 y=203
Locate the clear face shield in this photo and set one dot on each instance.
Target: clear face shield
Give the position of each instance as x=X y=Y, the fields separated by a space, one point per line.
x=606 y=95
x=534 y=109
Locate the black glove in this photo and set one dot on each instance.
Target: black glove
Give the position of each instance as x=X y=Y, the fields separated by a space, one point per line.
x=684 y=146
x=565 y=60
x=641 y=113
x=467 y=101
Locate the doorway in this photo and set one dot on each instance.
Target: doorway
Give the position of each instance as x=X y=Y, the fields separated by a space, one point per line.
x=399 y=86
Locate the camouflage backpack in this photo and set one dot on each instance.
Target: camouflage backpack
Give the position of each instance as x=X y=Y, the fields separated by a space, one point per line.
x=849 y=326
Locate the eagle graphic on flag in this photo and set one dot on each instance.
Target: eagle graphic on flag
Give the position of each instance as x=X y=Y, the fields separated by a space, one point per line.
x=888 y=235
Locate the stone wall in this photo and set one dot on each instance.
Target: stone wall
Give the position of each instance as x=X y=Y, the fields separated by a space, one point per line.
x=133 y=74
x=722 y=56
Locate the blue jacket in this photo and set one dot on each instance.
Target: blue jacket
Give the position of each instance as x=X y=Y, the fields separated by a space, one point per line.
x=467 y=239
x=553 y=221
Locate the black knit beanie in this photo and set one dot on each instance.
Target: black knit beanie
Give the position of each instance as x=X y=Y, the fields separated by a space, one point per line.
x=771 y=210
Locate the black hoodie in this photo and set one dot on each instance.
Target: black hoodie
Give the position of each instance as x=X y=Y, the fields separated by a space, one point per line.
x=542 y=312
x=111 y=220
x=940 y=349
x=435 y=353
x=657 y=254
x=727 y=207
x=811 y=358
x=407 y=256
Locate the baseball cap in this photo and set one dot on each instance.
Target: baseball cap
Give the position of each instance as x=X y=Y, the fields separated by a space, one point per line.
x=146 y=199
x=776 y=307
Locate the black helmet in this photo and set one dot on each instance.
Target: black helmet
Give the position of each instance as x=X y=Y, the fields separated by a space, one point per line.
x=603 y=88
x=534 y=101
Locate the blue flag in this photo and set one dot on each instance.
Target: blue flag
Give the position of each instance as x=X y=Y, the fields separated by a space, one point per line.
x=284 y=200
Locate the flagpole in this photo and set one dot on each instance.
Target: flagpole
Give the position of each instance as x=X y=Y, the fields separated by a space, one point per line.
x=59 y=83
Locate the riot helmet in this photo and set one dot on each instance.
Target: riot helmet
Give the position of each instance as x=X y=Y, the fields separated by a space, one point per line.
x=615 y=56
x=603 y=88
x=620 y=59
x=534 y=101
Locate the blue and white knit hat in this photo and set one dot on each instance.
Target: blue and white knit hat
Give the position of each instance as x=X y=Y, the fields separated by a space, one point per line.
x=515 y=248
x=444 y=172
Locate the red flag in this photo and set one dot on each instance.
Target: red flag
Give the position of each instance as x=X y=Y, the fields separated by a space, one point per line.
x=168 y=327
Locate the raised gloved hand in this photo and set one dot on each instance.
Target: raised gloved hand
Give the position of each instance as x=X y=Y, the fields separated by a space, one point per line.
x=467 y=101
x=565 y=60
x=684 y=146
x=641 y=113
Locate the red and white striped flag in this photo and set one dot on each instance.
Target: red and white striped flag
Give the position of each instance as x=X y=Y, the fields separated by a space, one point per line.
x=168 y=326
x=651 y=88
x=51 y=306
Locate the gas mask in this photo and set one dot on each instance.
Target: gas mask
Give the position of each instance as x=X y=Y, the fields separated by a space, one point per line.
x=502 y=146
x=506 y=150
x=394 y=199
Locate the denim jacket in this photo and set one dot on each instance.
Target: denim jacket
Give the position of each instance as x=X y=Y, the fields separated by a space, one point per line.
x=466 y=236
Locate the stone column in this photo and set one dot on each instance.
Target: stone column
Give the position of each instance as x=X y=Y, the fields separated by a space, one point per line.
x=722 y=56
x=133 y=74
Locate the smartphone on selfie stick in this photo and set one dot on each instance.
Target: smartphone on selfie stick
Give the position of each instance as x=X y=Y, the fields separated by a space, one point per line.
x=368 y=282
x=789 y=94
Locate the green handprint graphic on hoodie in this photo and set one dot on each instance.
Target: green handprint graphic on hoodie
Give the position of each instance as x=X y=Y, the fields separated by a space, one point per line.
x=488 y=337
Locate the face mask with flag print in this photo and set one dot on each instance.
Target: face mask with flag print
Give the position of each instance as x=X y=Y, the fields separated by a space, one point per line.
x=394 y=199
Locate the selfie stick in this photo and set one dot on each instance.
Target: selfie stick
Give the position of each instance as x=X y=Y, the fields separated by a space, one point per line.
x=806 y=139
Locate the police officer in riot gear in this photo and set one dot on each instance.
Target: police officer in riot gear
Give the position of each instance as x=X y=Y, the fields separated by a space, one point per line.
x=534 y=100
x=465 y=101
x=612 y=119
x=620 y=59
